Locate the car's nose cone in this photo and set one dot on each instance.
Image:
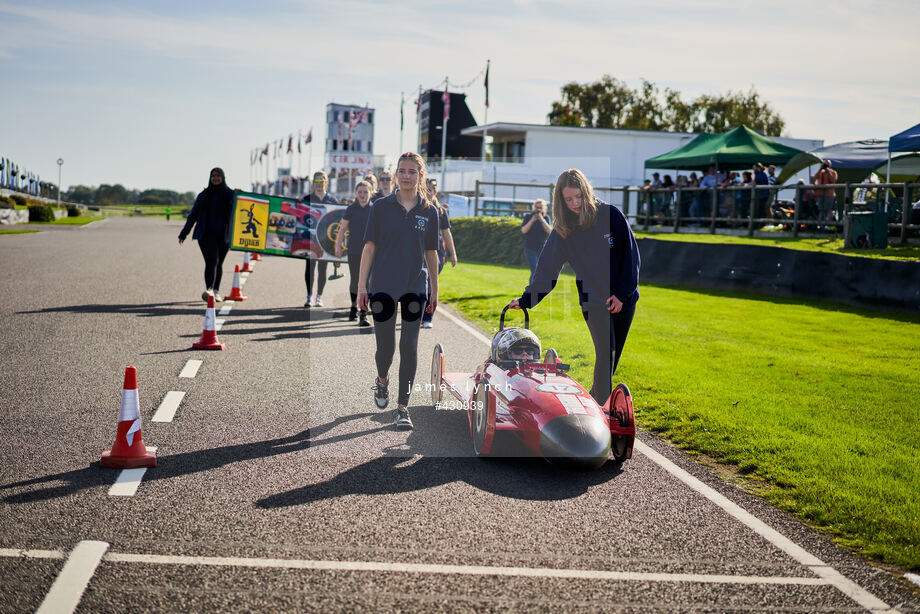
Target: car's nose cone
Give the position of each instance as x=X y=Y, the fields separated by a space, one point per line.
x=576 y=440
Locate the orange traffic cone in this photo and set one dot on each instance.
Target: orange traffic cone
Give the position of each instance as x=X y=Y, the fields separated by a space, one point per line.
x=129 y=451
x=208 y=339
x=256 y=257
x=235 y=294
x=247 y=267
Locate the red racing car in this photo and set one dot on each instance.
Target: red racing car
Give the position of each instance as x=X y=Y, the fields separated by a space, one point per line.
x=554 y=416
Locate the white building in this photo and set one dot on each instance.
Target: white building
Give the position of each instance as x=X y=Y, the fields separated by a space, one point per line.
x=536 y=154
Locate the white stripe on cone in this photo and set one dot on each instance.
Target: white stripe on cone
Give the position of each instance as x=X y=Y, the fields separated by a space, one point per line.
x=130 y=411
x=209 y=318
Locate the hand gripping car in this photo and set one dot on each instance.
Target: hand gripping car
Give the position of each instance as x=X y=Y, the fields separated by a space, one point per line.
x=554 y=415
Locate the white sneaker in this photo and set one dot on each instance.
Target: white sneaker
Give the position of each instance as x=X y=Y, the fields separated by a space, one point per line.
x=309 y=301
x=319 y=301
x=426 y=324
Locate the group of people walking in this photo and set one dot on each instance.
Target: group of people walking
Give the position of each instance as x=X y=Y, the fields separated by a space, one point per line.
x=399 y=240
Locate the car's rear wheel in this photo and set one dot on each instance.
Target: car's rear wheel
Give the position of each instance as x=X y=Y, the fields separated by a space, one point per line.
x=437 y=374
x=622 y=416
x=483 y=419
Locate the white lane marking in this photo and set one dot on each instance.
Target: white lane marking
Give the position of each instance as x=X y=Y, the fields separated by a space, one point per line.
x=849 y=588
x=68 y=587
x=31 y=554
x=478 y=335
x=167 y=409
x=102 y=221
x=128 y=480
x=191 y=368
x=225 y=310
x=913 y=578
x=470 y=570
x=218 y=323
x=816 y=565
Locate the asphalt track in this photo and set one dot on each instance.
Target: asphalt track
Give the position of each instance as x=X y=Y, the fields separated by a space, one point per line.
x=279 y=486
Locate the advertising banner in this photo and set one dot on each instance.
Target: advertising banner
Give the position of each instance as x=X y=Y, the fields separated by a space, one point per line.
x=283 y=226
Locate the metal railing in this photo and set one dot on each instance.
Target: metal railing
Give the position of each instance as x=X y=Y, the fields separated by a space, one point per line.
x=742 y=207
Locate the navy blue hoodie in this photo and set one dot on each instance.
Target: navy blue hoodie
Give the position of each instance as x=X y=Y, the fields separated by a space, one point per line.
x=605 y=259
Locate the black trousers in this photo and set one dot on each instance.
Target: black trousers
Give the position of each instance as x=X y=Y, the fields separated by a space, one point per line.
x=310 y=272
x=608 y=333
x=354 y=270
x=214 y=250
x=383 y=308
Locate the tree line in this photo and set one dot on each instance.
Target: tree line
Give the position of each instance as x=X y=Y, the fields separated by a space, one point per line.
x=611 y=103
x=118 y=194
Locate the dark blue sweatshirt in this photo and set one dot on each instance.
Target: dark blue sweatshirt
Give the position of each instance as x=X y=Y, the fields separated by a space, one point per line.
x=605 y=259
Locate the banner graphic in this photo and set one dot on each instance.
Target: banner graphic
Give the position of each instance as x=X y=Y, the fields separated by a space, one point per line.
x=285 y=227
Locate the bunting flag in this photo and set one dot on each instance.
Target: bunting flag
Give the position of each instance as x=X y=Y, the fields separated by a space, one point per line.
x=487 y=85
x=445 y=98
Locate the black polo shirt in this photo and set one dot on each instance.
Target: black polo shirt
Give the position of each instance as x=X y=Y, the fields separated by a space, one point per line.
x=326 y=199
x=536 y=236
x=357 y=225
x=401 y=239
x=443 y=224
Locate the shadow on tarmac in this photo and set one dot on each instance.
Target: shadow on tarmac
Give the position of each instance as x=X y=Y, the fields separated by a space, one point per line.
x=437 y=452
x=171 y=466
x=143 y=311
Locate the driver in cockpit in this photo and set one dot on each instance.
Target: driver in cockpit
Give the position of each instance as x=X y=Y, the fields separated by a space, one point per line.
x=513 y=345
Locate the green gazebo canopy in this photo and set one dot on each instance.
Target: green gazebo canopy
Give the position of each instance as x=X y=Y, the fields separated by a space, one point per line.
x=738 y=149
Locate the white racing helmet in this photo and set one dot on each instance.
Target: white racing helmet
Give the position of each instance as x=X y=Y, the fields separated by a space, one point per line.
x=515 y=341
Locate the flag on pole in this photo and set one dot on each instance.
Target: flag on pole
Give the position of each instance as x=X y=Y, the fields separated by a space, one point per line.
x=402 y=119
x=309 y=138
x=487 y=85
x=445 y=98
x=290 y=147
x=298 y=141
x=264 y=152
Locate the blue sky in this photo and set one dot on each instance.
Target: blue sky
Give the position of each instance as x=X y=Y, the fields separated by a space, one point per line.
x=155 y=94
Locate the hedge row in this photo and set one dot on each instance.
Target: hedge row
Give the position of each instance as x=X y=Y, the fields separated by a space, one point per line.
x=494 y=240
x=41 y=213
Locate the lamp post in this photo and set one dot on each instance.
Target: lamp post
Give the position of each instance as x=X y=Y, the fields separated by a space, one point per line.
x=60 y=163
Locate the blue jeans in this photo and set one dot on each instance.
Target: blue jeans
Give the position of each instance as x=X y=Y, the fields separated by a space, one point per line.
x=532 y=256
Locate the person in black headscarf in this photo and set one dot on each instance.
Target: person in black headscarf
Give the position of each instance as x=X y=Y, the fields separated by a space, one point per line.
x=211 y=216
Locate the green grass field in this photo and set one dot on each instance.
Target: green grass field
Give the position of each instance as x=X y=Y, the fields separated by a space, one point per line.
x=815 y=406
x=829 y=244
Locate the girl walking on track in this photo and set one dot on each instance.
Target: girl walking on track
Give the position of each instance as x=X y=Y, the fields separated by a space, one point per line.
x=354 y=224
x=597 y=242
x=211 y=215
x=400 y=252
x=318 y=196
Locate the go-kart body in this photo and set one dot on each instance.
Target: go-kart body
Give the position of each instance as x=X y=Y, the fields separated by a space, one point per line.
x=552 y=414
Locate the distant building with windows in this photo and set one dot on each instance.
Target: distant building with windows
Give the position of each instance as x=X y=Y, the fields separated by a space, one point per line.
x=349 y=145
x=535 y=154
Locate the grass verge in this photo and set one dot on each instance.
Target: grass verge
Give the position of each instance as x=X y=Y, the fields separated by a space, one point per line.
x=812 y=404
x=831 y=245
x=16 y=231
x=78 y=220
